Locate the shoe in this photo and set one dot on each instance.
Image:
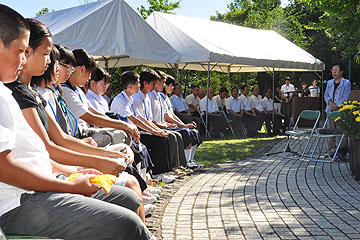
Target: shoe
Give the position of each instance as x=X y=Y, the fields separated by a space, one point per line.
x=148 y=208
x=149 y=200
x=149 y=194
x=195 y=166
x=180 y=173
x=154 y=190
x=186 y=170
x=164 y=178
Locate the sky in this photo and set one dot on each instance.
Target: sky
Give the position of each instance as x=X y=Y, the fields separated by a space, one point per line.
x=192 y=8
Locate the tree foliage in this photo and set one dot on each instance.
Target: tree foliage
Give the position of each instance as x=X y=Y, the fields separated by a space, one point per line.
x=158 y=6
x=43 y=11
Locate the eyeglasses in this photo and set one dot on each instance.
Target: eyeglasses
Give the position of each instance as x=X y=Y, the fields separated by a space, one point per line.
x=69 y=68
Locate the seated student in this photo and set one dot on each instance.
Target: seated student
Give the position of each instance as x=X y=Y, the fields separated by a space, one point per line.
x=193 y=101
x=261 y=113
x=142 y=107
x=214 y=116
x=190 y=137
x=85 y=114
x=171 y=117
x=28 y=188
x=97 y=85
x=249 y=115
x=180 y=108
x=108 y=95
x=63 y=149
x=268 y=106
x=221 y=97
x=233 y=106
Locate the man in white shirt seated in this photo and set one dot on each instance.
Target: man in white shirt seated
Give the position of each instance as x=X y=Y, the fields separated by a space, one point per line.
x=287 y=93
x=233 y=106
x=218 y=120
x=261 y=113
x=268 y=105
x=249 y=114
x=221 y=97
x=193 y=101
x=180 y=107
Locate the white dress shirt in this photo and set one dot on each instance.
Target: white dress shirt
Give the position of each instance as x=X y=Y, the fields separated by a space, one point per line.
x=246 y=103
x=287 y=90
x=268 y=103
x=191 y=99
x=157 y=107
x=233 y=104
x=212 y=105
x=178 y=103
x=257 y=103
x=123 y=105
x=97 y=102
x=220 y=102
x=142 y=105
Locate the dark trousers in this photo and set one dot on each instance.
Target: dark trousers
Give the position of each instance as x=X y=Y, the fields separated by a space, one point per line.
x=218 y=124
x=277 y=123
x=260 y=119
x=250 y=124
x=238 y=125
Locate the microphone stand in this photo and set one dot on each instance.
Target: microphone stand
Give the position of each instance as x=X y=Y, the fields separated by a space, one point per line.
x=287 y=118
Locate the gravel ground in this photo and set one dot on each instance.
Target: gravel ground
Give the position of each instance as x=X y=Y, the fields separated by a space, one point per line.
x=153 y=220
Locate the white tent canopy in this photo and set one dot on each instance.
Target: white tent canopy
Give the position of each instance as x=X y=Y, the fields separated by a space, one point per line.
x=110 y=28
x=230 y=48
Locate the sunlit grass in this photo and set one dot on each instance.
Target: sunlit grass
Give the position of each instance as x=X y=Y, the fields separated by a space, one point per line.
x=217 y=151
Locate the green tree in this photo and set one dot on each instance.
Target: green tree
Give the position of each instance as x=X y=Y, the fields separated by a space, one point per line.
x=340 y=21
x=158 y=6
x=43 y=11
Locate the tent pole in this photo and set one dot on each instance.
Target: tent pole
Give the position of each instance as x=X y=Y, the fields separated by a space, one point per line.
x=229 y=73
x=322 y=97
x=273 y=95
x=207 y=100
x=177 y=73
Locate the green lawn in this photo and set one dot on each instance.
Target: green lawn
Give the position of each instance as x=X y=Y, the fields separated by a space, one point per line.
x=217 y=151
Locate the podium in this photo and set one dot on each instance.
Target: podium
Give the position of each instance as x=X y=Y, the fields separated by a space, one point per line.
x=300 y=104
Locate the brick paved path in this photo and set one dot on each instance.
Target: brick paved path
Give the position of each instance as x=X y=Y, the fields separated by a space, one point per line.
x=266 y=198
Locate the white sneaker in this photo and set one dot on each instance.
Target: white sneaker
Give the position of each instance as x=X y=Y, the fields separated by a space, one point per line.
x=148 y=208
x=164 y=178
x=154 y=190
x=149 y=200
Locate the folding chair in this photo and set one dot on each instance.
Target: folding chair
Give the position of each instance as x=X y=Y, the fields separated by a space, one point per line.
x=307 y=115
x=224 y=112
x=204 y=123
x=322 y=134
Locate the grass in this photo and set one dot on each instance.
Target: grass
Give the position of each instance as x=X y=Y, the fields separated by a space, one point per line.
x=218 y=151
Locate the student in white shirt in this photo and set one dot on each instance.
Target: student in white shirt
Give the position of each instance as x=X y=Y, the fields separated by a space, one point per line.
x=268 y=106
x=249 y=114
x=218 y=120
x=261 y=113
x=142 y=106
x=221 y=97
x=78 y=103
x=25 y=164
x=98 y=84
x=233 y=106
x=190 y=137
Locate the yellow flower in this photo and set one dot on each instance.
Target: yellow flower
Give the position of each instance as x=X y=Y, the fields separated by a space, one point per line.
x=356 y=113
x=337 y=119
x=357 y=119
x=346 y=107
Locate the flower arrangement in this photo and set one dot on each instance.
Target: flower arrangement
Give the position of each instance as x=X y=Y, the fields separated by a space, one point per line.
x=349 y=119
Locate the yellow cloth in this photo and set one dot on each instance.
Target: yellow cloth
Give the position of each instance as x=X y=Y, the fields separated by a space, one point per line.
x=105 y=181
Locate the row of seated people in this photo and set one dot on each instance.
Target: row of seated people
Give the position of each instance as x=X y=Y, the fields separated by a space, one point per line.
x=242 y=110
x=49 y=131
